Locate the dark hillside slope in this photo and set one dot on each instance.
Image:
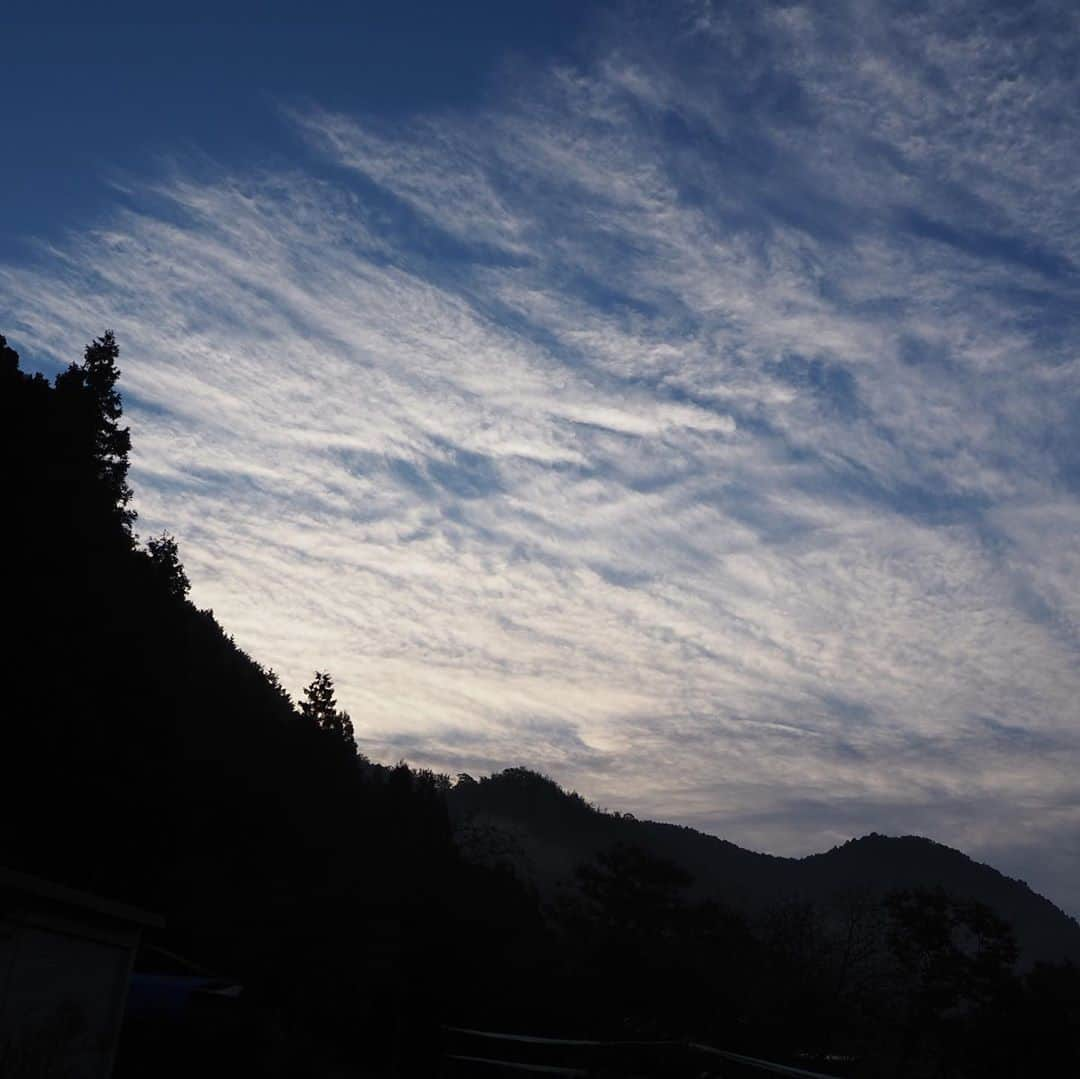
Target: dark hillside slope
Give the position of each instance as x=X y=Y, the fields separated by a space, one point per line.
x=145 y=757
x=883 y=863
x=545 y=833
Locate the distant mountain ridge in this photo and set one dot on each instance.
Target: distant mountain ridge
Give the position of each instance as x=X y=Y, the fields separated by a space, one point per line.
x=528 y=821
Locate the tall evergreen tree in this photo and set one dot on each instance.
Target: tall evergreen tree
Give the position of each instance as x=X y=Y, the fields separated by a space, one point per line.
x=90 y=411
x=9 y=359
x=165 y=558
x=320 y=707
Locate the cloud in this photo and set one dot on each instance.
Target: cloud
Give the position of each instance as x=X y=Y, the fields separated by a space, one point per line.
x=696 y=424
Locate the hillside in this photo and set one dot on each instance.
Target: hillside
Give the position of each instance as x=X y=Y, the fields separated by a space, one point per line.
x=146 y=758
x=546 y=832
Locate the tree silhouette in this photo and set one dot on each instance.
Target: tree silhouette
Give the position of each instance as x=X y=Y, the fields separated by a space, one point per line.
x=9 y=359
x=319 y=706
x=956 y=962
x=90 y=408
x=631 y=890
x=165 y=558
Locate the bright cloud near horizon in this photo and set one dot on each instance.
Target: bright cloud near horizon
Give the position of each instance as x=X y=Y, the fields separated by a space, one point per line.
x=695 y=420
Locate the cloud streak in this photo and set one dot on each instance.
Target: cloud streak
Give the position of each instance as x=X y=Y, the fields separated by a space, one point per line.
x=696 y=423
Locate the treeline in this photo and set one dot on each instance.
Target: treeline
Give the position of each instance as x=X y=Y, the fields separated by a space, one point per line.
x=145 y=757
x=854 y=981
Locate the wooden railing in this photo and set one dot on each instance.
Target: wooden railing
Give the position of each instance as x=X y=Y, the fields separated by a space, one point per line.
x=501 y=1053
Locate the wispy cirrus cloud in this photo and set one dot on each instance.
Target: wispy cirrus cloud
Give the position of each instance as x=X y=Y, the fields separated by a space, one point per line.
x=696 y=423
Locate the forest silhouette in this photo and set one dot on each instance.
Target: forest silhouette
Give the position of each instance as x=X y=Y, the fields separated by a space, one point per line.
x=365 y=908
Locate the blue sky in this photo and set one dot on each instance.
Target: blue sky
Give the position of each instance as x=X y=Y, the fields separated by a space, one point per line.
x=95 y=91
x=681 y=399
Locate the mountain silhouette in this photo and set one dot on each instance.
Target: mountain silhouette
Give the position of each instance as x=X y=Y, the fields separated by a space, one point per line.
x=544 y=832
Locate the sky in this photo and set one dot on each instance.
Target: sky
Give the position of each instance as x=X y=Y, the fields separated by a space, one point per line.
x=681 y=400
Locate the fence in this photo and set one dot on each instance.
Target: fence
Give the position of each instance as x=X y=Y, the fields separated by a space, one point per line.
x=469 y=1053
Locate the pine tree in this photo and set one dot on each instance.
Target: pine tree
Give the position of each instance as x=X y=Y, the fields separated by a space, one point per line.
x=165 y=558
x=112 y=443
x=91 y=407
x=320 y=707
